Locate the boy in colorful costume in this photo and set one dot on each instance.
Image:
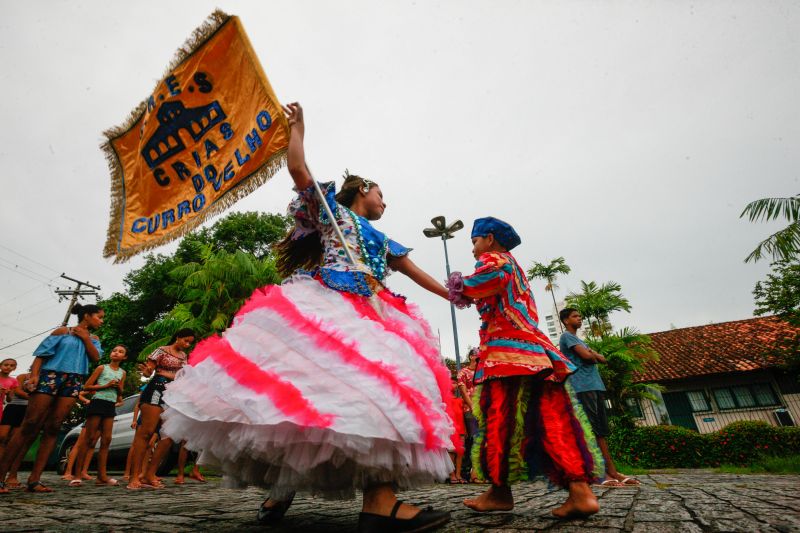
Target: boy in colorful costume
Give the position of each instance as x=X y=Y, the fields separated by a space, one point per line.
x=529 y=423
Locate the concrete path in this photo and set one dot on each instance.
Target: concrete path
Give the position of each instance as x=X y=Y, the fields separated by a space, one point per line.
x=690 y=501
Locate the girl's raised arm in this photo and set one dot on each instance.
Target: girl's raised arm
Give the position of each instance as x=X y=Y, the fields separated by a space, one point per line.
x=297 y=154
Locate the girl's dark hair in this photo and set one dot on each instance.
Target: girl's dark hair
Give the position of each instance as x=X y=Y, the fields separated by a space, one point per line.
x=83 y=310
x=306 y=252
x=127 y=351
x=181 y=333
x=8 y=359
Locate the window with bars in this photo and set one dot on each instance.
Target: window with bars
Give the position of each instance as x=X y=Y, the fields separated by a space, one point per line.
x=698 y=401
x=746 y=396
x=633 y=407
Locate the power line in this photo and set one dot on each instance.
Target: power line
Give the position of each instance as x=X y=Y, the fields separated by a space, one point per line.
x=20 y=295
x=31 y=306
x=16 y=271
x=27 y=339
x=21 y=267
x=29 y=259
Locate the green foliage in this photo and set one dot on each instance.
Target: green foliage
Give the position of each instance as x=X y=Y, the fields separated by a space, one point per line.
x=596 y=302
x=209 y=293
x=782 y=245
x=251 y=232
x=626 y=353
x=160 y=293
x=766 y=465
x=549 y=272
x=779 y=294
x=740 y=444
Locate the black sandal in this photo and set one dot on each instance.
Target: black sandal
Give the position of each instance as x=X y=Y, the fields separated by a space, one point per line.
x=425 y=520
x=32 y=487
x=273 y=514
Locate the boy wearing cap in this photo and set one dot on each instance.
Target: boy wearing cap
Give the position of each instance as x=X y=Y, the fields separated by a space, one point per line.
x=528 y=423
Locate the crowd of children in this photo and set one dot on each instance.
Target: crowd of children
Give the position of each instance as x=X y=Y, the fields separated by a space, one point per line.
x=57 y=380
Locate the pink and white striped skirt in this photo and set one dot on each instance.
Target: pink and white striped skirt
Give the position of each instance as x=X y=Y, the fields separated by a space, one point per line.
x=316 y=390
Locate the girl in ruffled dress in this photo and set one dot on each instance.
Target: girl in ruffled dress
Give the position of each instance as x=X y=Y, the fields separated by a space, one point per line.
x=329 y=382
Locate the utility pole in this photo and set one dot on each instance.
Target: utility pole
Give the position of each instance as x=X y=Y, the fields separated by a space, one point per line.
x=75 y=293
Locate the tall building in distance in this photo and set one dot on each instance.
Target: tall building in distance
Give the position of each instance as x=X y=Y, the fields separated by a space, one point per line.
x=553 y=326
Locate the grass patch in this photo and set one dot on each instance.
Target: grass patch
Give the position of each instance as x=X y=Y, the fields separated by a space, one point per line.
x=765 y=465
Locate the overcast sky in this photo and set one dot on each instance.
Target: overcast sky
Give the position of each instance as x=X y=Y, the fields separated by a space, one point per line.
x=625 y=136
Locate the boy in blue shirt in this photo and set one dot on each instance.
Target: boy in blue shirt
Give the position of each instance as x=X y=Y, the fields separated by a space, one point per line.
x=589 y=389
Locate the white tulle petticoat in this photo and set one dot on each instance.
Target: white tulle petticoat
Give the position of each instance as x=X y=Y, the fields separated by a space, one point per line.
x=317 y=390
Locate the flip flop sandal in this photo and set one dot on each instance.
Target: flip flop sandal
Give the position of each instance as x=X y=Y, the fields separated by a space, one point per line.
x=425 y=520
x=111 y=483
x=155 y=485
x=612 y=483
x=75 y=483
x=13 y=485
x=38 y=486
x=272 y=515
x=630 y=482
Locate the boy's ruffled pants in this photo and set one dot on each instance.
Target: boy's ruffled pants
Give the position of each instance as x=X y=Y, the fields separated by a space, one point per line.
x=530 y=427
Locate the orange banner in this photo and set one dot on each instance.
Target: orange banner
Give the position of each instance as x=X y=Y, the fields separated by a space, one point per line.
x=211 y=132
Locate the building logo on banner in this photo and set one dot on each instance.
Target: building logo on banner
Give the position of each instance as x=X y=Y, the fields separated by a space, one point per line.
x=211 y=132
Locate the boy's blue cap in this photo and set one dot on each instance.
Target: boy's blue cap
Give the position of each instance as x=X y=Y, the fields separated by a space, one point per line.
x=502 y=231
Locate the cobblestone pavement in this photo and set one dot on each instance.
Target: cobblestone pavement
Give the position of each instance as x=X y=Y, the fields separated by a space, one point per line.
x=690 y=501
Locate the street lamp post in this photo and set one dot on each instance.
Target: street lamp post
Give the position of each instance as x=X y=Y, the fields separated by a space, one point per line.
x=441 y=229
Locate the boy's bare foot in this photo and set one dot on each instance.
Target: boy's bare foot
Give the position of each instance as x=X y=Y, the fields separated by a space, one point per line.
x=581 y=502
x=86 y=476
x=179 y=480
x=494 y=499
x=197 y=476
x=67 y=477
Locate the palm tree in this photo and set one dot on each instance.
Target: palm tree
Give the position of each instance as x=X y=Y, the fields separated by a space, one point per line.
x=548 y=273
x=783 y=244
x=210 y=291
x=626 y=352
x=598 y=302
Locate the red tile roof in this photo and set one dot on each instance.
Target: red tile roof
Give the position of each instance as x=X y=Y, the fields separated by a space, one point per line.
x=737 y=346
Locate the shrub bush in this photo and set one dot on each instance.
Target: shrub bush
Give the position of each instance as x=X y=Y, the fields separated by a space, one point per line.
x=740 y=443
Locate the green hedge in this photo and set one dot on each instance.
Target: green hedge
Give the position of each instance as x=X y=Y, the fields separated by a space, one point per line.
x=740 y=443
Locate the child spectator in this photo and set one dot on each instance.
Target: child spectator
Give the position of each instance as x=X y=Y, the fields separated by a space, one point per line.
x=590 y=390
x=106 y=382
x=57 y=374
x=466 y=386
x=457 y=454
x=165 y=363
x=7 y=383
x=13 y=414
